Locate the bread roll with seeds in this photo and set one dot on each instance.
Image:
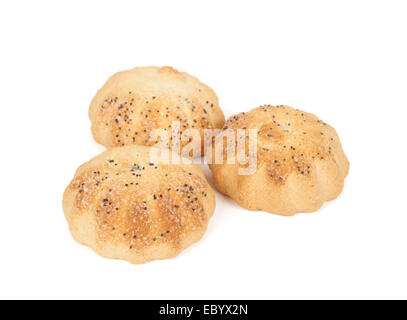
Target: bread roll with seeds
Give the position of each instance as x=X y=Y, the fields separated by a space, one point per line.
x=124 y=207
x=132 y=103
x=300 y=162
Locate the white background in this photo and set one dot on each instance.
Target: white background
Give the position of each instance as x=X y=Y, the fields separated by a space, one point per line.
x=345 y=61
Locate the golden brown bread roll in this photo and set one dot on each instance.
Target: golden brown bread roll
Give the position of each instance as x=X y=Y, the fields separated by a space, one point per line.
x=125 y=207
x=134 y=102
x=300 y=162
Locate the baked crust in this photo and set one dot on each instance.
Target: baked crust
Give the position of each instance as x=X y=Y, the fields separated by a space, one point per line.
x=300 y=162
x=133 y=102
x=124 y=207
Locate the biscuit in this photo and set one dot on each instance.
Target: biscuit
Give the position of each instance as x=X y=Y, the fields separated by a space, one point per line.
x=134 y=102
x=125 y=207
x=300 y=162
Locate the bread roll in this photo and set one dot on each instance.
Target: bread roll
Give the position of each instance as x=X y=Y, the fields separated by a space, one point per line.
x=300 y=162
x=125 y=207
x=134 y=102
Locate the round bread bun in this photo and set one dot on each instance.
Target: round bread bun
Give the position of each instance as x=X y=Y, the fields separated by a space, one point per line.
x=134 y=102
x=300 y=162
x=124 y=207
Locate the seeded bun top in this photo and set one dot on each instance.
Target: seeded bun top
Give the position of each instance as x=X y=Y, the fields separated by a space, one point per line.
x=132 y=103
x=300 y=162
x=125 y=207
